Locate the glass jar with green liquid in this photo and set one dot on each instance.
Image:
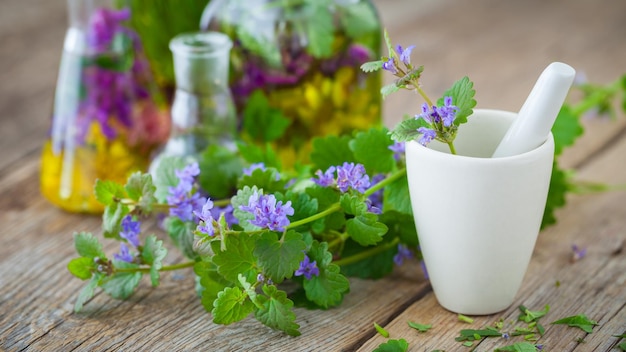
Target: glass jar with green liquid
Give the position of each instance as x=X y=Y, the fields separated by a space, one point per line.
x=295 y=68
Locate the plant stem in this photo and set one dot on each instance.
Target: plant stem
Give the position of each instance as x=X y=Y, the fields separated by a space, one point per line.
x=333 y=208
x=423 y=94
x=390 y=179
x=452 y=149
x=173 y=267
x=368 y=253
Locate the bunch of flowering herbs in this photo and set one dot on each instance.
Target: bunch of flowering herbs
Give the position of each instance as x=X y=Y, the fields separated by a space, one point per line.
x=436 y=121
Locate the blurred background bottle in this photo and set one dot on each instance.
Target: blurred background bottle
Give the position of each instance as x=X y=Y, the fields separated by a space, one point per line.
x=295 y=68
x=107 y=116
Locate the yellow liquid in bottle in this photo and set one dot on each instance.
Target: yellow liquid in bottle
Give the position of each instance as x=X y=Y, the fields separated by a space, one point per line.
x=68 y=177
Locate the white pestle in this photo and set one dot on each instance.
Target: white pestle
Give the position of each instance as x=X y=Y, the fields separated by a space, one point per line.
x=536 y=117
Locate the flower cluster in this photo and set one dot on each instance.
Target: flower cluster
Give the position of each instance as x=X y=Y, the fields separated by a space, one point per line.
x=130 y=232
x=183 y=201
x=349 y=176
x=439 y=122
x=268 y=212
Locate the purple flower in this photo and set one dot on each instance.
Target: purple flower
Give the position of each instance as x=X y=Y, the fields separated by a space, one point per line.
x=307 y=268
x=405 y=54
x=506 y=336
x=183 y=203
x=352 y=176
x=578 y=253
x=124 y=254
x=130 y=230
x=248 y=171
x=390 y=66
x=447 y=112
x=205 y=217
x=404 y=253
x=268 y=213
x=427 y=135
x=104 y=25
x=325 y=179
x=398 y=149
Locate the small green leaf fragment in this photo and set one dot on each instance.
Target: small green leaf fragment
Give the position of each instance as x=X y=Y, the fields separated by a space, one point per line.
x=372 y=66
x=393 y=346
x=87 y=292
x=465 y=319
x=141 y=189
x=468 y=344
x=108 y=192
x=420 y=327
x=518 y=347
x=381 y=330
x=530 y=316
x=578 y=321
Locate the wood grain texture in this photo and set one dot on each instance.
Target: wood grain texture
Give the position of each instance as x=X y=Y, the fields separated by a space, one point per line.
x=501 y=45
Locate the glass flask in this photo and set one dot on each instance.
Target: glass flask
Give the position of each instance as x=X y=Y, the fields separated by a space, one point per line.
x=301 y=59
x=107 y=116
x=203 y=112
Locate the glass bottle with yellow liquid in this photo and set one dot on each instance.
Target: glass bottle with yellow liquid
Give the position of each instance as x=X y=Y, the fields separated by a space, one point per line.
x=107 y=117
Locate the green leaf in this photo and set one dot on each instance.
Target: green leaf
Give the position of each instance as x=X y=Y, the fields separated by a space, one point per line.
x=372 y=66
x=302 y=204
x=88 y=246
x=371 y=148
x=221 y=168
x=237 y=258
x=253 y=153
x=462 y=93
x=87 y=292
x=393 y=346
x=112 y=219
x=253 y=42
x=373 y=267
x=566 y=129
x=210 y=281
x=407 y=130
x=279 y=258
x=166 y=176
x=396 y=197
x=140 y=188
x=475 y=335
x=327 y=289
x=241 y=198
x=153 y=253
x=108 y=192
x=622 y=346
x=231 y=305
x=518 y=347
x=559 y=186
x=262 y=122
x=353 y=204
x=389 y=89
x=530 y=316
x=381 y=330
x=81 y=267
x=122 y=284
x=420 y=327
x=331 y=151
x=400 y=225
x=181 y=232
x=277 y=311
x=365 y=229
x=268 y=180
x=358 y=19
x=319 y=30
x=578 y=321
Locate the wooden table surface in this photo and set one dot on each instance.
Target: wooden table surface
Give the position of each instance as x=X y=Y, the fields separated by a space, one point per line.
x=501 y=45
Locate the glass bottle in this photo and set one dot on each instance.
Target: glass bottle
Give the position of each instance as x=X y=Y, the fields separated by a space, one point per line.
x=107 y=118
x=303 y=58
x=203 y=112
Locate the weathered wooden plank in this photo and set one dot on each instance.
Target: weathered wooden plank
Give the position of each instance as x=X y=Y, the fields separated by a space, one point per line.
x=594 y=286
